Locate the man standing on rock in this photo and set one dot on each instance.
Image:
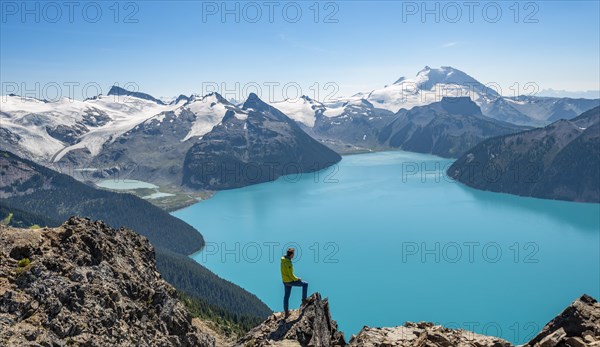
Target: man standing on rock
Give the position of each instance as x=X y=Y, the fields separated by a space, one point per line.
x=290 y=280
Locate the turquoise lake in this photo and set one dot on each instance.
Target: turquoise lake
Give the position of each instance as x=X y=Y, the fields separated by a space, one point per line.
x=388 y=238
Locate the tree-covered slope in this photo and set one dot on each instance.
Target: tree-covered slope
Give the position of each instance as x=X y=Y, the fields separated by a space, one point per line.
x=560 y=161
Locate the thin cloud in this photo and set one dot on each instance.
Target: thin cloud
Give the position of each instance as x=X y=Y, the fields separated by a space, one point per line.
x=449 y=44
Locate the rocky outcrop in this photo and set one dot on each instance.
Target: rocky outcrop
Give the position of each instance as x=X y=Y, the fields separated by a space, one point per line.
x=87 y=284
x=423 y=334
x=577 y=326
x=311 y=325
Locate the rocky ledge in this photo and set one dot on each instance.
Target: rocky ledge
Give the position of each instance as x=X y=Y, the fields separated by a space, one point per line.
x=87 y=284
x=311 y=325
x=423 y=334
x=577 y=326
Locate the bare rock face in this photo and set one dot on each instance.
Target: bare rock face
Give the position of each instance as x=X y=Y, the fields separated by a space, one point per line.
x=87 y=284
x=423 y=335
x=577 y=326
x=311 y=325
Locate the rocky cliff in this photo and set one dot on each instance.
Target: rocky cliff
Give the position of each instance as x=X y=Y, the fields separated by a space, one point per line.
x=87 y=284
x=311 y=325
x=577 y=326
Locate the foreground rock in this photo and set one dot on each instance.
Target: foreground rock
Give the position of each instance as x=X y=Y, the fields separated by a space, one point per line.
x=577 y=326
x=87 y=284
x=423 y=334
x=311 y=325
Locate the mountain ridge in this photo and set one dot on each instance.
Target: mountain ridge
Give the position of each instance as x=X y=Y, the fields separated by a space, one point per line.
x=558 y=161
x=447 y=128
x=254 y=144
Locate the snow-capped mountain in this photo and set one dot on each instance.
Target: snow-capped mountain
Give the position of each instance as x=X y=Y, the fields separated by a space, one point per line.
x=303 y=110
x=432 y=84
x=429 y=86
x=208 y=110
x=125 y=127
x=253 y=144
x=49 y=131
x=155 y=148
x=354 y=123
x=46 y=131
x=352 y=126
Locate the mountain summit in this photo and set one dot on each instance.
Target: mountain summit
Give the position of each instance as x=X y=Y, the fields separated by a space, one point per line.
x=254 y=144
x=118 y=91
x=428 y=77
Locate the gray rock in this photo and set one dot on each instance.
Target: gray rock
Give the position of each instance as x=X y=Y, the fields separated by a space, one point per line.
x=311 y=325
x=423 y=334
x=578 y=325
x=87 y=284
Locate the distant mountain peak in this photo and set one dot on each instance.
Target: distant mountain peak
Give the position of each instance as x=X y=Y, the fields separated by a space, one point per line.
x=428 y=77
x=218 y=96
x=118 y=91
x=444 y=74
x=181 y=97
x=254 y=102
x=400 y=80
x=212 y=95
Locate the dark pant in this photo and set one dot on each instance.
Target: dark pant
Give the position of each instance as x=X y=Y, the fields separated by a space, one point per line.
x=288 y=290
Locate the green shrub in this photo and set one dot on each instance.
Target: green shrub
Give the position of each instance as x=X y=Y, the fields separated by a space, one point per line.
x=24 y=262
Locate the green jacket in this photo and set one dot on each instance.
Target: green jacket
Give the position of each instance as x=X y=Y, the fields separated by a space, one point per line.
x=287 y=270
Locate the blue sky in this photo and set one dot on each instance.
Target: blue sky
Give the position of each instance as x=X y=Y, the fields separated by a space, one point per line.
x=185 y=47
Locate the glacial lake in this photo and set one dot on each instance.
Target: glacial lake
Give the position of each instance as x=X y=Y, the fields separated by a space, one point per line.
x=125 y=184
x=388 y=238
